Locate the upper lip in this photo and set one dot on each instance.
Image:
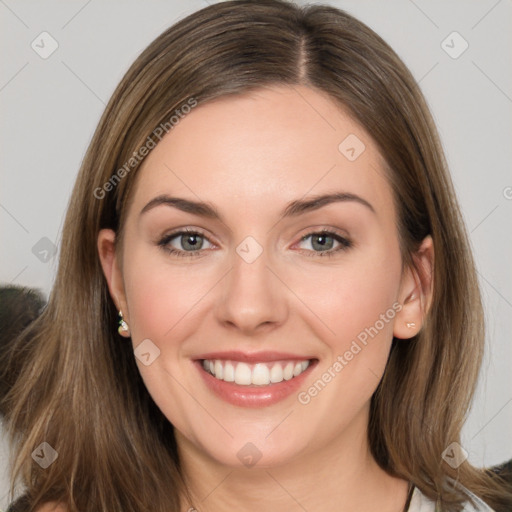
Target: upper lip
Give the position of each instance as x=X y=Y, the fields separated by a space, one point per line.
x=253 y=357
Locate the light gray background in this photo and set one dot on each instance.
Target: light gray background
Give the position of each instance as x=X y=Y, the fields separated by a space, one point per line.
x=50 y=108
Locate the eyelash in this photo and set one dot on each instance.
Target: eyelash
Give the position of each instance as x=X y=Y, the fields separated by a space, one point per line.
x=344 y=242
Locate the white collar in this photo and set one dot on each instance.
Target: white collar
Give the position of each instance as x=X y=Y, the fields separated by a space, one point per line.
x=420 y=502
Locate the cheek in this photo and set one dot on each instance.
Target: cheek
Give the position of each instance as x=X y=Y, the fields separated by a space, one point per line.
x=358 y=304
x=161 y=296
x=165 y=306
x=351 y=297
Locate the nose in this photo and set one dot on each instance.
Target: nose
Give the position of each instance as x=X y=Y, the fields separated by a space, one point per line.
x=253 y=299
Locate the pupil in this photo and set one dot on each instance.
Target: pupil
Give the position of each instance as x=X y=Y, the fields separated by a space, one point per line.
x=191 y=241
x=322 y=241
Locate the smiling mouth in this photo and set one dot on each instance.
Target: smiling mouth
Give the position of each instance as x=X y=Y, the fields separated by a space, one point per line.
x=257 y=374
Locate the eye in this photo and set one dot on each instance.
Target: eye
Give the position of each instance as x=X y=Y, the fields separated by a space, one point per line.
x=325 y=243
x=186 y=243
x=191 y=243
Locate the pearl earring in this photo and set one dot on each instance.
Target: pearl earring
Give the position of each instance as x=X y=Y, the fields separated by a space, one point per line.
x=123 y=326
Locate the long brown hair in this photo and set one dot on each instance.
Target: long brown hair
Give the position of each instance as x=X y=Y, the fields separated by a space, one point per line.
x=74 y=382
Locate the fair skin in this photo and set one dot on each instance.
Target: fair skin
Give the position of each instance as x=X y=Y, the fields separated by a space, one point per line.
x=249 y=156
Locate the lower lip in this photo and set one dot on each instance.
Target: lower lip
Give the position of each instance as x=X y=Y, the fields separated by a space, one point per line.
x=254 y=396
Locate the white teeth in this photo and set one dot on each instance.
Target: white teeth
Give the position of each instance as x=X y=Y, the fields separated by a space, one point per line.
x=243 y=374
x=276 y=374
x=258 y=374
x=218 y=369
x=229 y=372
x=288 y=371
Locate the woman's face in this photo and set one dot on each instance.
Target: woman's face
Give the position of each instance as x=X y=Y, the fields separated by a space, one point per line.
x=289 y=280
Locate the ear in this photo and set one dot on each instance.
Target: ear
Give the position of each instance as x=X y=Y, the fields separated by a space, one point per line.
x=416 y=292
x=112 y=270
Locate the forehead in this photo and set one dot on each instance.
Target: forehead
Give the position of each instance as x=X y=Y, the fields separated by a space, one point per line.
x=271 y=145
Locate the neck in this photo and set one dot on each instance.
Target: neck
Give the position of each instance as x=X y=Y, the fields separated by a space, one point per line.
x=343 y=476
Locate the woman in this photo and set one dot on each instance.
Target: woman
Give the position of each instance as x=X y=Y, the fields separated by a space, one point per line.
x=265 y=296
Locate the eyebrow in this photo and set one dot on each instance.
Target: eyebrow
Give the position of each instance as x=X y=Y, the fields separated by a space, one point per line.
x=293 y=208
